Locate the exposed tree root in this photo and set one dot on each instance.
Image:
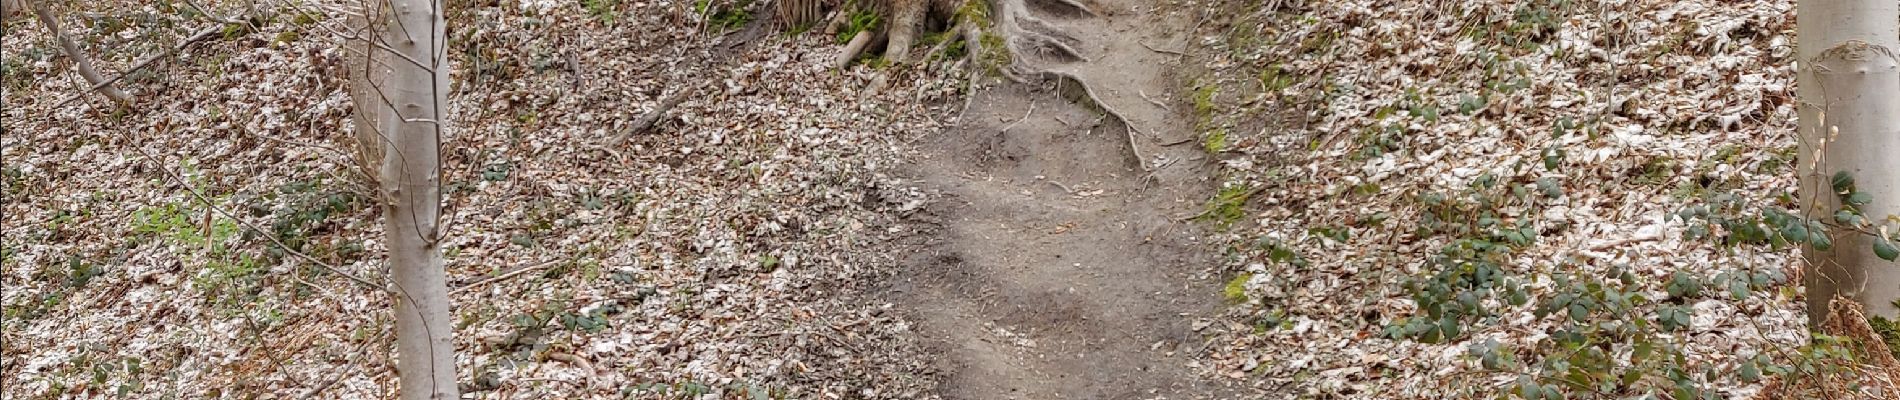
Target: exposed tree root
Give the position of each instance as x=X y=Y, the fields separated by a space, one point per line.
x=1089 y=91
x=903 y=30
x=1033 y=46
x=838 y=19
x=955 y=33
x=1062 y=8
x=897 y=30
x=855 y=47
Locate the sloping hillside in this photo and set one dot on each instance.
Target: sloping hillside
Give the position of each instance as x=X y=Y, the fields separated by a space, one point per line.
x=1460 y=199
x=705 y=256
x=1476 y=199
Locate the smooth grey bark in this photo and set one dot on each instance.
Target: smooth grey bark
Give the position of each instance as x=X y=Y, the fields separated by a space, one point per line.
x=1849 y=88
x=400 y=90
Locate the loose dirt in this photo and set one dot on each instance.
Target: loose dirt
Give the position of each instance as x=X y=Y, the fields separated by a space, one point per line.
x=1053 y=261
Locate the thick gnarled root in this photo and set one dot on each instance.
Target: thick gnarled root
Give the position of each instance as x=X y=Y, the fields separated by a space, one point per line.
x=898 y=24
x=1012 y=38
x=1018 y=35
x=905 y=20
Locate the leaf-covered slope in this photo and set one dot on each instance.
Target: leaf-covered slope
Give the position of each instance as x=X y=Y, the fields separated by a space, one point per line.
x=705 y=255
x=1463 y=199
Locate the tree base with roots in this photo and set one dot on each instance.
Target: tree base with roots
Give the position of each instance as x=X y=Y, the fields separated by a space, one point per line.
x=1011 y=38
x=895 y=26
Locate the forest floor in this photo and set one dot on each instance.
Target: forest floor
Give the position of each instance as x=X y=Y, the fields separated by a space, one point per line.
x=1218 y=199
x=1474 y=199
x=728 y=251
x=1058 y=261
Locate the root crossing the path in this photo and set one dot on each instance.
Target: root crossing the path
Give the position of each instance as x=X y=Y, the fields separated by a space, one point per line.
x=1051 y=266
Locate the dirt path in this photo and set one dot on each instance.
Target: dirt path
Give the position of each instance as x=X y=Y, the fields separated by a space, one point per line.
x=1054 y=266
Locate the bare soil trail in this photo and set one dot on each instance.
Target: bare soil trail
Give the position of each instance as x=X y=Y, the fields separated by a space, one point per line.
x=1053 y=262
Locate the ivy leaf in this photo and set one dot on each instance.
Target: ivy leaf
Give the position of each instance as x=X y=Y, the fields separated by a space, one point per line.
x=1450 y=326
x=1468 y=104
x=1673 y=318
x=1738 y=288
x=1842 y=182
x=1795 y=232
x=1749 y=372
x=1684 y=285
x=1551 y=187
x=1886 y=250
x=1488 y=353
x=1531 y=391
x=1631 y=376
x=1847 y=217
x=1696 y=231
x=1859 y=199
x=1553 y=157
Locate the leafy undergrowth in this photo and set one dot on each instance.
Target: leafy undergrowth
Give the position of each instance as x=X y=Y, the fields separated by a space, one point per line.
x=1531 y=199
x=703 y=257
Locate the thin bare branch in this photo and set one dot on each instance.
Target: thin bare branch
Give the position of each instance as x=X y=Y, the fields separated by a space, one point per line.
x=210 y=205
x=80 y=61
x=343 y=370
x=215 y=17
x=652 y=117
x=106 y=84
x=517 y=271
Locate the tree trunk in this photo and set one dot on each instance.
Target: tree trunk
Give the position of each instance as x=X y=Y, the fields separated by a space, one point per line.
x=906 y=17
x=400 y=94
x=1849 y=86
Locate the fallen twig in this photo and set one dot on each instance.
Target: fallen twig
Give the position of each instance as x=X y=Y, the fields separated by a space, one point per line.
x=1144 y=96
x=652 y=117
x=504 y=276
x=1609 y=244
x=344 y=369
x=1032 y=110
x=1065 y=188
x=182 y=182
x=1166 y=51
x=80 y=61
x=106 y=84
x=208 y=14
x=194 y=38
x=577 y=362
x=1177 y=142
